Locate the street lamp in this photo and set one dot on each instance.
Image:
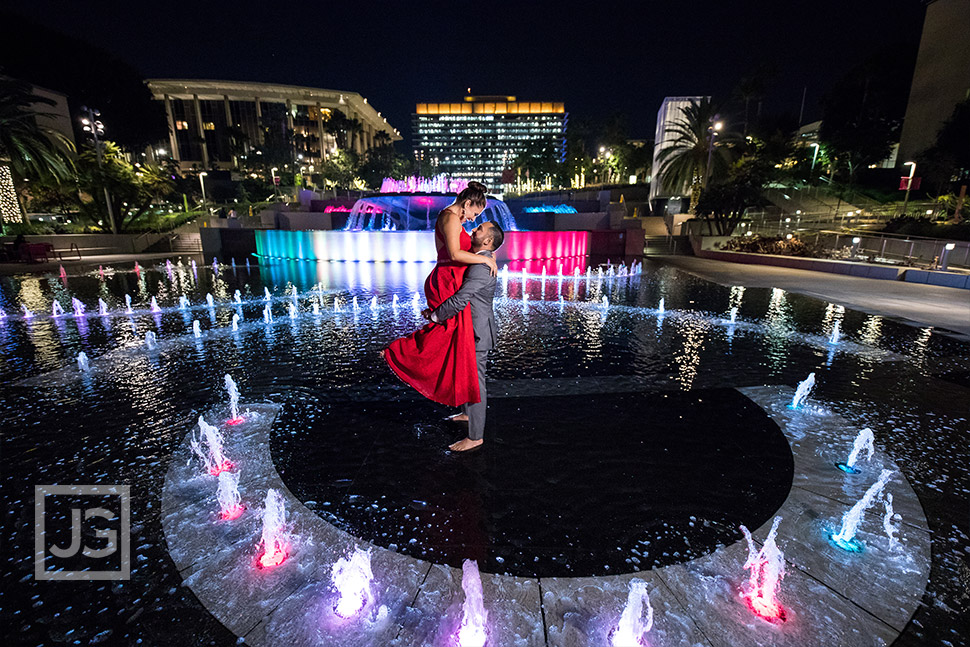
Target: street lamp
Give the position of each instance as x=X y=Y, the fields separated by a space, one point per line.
x=814 y=157
x=713 y=130
x=949 y=247
x=202 y=182
x=91 y=124
x=909 y=184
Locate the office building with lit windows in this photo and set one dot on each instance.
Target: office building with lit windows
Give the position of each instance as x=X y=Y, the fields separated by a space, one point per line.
x=215 y=123
x=478 y=138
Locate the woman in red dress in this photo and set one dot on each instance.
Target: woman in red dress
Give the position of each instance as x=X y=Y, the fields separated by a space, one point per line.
x=439 y=359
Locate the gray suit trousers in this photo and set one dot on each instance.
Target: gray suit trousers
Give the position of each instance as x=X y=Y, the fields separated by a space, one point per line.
x=476 y=410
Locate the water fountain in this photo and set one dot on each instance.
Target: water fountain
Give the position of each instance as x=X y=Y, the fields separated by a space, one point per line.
x=471 y=630
x=766 y=568
x=266 y=294
x=78 y=307
x=232 y=263
x=168 y=266
x=293 y=292
x=27 y=313
x=63 y=273
x=196 y=328
x=845 y=537
x=887 y=522
x=336 y=304
x=233 y=390
x=102 y=307
x=230 y=503
x=213 y=457
x=351 y=577
x=660 y=306
x=275 y=539
x=56 y=309
x=394 y=302
x=82 y=361
x=183 y=302
x=292 y=311
x=316 y=307
x=355 y=305
x=137 y=268
x=633 y=625
x=373 y=303
x=267 y=314
x=237 y=296
x=154 y=305
x=235 y=321
x=734 y=315
x=100 y=272
x=606 y=302
x=247 y=263
x=863 y=442
x=215 y=266
x=149 y=339
x=834 y=338
x=801 y=393
x=209 y=301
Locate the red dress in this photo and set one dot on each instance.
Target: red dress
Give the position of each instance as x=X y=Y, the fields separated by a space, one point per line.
x=439 y=359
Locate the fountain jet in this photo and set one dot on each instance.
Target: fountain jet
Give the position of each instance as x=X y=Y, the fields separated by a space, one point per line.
x=196 y=328
x=214 y=459
x=233 y=390
x=102 y=307
x=887 y=522
x=845 y=537
x=78 y=307
x=766 y=568
x=56 y=309
x=128 y=304
x=82 y=361
x=230 y=503
x=863 y=442
x=154 y=305
x=633 y=625
x=801 y=393
x=352 y=577
x=150 y=339
x=275 y=539
x=235 y=322
x=471 y=631
x=209 y=301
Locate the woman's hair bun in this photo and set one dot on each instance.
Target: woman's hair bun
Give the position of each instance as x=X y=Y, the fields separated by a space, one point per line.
x=474 y=193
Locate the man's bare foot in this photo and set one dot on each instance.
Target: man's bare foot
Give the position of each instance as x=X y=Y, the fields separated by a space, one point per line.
x=465 y=444
x=458 y=417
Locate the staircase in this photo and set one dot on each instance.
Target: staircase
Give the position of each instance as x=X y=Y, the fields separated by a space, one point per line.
x=186 y=243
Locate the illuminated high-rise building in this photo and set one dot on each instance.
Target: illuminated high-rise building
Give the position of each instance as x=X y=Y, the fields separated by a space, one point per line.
x=478 y=138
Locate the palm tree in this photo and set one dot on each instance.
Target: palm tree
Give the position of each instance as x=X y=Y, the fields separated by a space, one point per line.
x=683 y=160
x=28 y=150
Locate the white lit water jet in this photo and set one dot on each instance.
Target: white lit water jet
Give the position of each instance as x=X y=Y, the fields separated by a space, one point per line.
x=834 y=338
x=230 y=503
x=56 y=309
x=82 y=361
x=150 y=339
x=27 y=313
x=128 y=304
x=266 y=294
x=233 y=391
x=351 y=577
x=235 y=321
x=196 y=328
x=394 y=302
x=78 y=307
x=267 y=314
x=845 y=537
x=209 y=449
x=209 y=301
x=373 y=303
x=634 y=622
x=183 y=302
x=734 y=315
x=275 y=539
x=766 y=568
x=102 y=308
x=864 y=442
x=660 y=306
x=154 y=305
x=356 y=306
x=292 y=311
x=804 y=389
x=471 y=630
x=887 y=522
x=237 y=296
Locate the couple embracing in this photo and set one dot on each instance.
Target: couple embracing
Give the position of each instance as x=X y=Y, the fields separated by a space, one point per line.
x=445 y=360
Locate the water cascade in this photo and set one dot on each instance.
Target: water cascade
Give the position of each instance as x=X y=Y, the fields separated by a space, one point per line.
x=845 y=537
x=766 y=568
x=230 y=503
x=352 y=577
x=275 y=539
x=471 y=631
x=804 y=389
x=863 y=443
x=633 y=625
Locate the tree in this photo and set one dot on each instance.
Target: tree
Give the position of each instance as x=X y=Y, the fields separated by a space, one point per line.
x=341 y=169
x=683 y=162
x=723 y=204
x=26 y=149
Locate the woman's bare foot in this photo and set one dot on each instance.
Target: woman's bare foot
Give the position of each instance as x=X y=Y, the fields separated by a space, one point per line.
x=458 y=417
x=465 y=444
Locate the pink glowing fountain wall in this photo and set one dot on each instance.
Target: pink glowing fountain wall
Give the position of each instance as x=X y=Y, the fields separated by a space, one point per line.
x=415 y=184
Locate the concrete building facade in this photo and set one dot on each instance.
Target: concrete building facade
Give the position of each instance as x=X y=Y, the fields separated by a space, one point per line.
x=215 y=123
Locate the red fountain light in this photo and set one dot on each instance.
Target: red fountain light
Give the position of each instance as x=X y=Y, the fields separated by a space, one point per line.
x=271 y=560
x=224 y=466
x=765 y=607
x=232 y=513
x=235 y=421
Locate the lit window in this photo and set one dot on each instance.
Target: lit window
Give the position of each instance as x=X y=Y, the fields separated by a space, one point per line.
x=208 y=125
x=181 y=125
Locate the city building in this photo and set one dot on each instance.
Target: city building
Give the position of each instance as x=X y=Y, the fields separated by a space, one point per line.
x=941 y=79
x=478 y=138
x=663 y=197
x=215 y=123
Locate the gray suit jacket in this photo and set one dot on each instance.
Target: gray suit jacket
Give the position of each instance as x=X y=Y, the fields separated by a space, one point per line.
x=478 y=289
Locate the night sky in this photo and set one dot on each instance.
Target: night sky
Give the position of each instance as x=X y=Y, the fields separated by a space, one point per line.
x=599 y=58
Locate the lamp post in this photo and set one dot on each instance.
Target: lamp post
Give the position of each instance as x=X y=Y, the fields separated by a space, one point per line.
x=814 y=157
x=202 y=182
x=949 y=247
x=93 y=125
x=909 y=184
x=712 y=129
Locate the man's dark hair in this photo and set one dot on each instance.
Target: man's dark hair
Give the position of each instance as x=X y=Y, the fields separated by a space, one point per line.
x=498 y=235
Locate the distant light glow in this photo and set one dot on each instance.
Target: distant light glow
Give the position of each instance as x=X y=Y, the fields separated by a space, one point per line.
x=336 y=209
x=546 y=208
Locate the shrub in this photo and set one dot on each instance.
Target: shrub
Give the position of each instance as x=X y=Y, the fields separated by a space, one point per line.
x=771 y=245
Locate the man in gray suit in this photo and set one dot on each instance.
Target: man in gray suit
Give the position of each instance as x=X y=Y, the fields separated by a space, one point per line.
x=477 y=289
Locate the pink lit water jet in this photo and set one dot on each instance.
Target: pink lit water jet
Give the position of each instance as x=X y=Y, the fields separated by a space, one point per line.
x=213 y=458
x=230 y=503
x=471 y=631
x=767 y=568
x=275 y=540
x=352 y=577
x=415 y=184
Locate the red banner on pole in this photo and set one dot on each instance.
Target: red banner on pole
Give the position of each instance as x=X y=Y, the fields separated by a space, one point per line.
x=903 y=181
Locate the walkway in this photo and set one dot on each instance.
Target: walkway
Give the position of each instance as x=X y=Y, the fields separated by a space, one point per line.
x=913 y=303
